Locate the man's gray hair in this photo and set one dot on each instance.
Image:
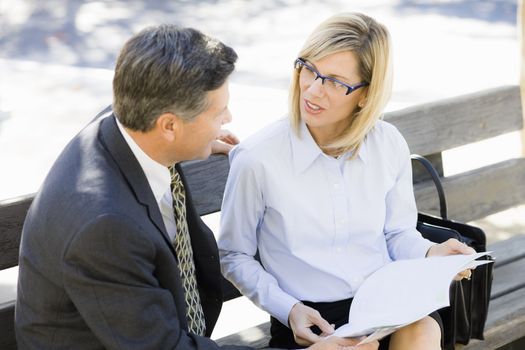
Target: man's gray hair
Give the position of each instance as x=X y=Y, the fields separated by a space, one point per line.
x=168 y=69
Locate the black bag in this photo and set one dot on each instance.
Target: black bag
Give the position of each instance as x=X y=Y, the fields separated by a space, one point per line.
x=469 y=299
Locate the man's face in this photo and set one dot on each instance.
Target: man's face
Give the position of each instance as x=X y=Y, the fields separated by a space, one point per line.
x=195 y=138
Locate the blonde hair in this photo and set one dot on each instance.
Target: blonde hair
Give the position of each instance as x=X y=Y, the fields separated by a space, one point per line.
x=370 y=43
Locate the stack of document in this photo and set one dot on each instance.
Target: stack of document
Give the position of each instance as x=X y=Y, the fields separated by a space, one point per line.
x=403 y=292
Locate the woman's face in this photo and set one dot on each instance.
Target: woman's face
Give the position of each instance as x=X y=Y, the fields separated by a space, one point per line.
x=325 y=110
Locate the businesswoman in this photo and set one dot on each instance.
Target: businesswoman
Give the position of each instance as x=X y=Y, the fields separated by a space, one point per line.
x=325 y=196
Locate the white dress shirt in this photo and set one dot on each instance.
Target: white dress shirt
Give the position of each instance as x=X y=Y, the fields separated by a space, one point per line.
x=159 y=180
x=321 y=224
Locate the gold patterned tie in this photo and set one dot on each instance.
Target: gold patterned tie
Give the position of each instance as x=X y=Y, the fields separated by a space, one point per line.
x=184 y=251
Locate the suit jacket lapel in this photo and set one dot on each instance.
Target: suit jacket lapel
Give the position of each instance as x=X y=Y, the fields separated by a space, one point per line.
x=203 y=242
x=132 y=172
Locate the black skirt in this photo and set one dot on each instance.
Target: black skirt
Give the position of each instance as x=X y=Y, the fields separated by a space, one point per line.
x=335 y=313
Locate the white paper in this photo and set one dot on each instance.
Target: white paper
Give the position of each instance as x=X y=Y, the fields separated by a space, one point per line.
x=403 y=292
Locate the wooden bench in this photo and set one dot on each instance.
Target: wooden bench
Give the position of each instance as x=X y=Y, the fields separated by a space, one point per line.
x=429 y=129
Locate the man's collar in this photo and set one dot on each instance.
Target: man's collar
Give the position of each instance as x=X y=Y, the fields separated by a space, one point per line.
x=158 y=175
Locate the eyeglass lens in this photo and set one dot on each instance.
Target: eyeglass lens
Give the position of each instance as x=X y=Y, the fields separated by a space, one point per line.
x=308 y=75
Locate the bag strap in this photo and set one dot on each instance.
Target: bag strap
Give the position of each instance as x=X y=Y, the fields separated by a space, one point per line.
x=435 y=177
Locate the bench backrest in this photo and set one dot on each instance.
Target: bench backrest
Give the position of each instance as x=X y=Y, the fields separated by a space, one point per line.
x=435 y=127
x=12 y=215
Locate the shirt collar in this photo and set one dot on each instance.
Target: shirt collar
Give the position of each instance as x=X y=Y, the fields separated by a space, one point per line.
x=304 y=148
x=306 y=151
x=158 y=175
x=362 y=150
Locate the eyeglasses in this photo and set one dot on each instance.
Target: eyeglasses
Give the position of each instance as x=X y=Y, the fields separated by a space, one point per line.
x=308 y=74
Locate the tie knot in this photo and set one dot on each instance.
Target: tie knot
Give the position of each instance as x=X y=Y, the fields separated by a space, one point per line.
x=175 y=178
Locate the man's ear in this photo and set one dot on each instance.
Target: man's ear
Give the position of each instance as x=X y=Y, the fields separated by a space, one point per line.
x=169 y=125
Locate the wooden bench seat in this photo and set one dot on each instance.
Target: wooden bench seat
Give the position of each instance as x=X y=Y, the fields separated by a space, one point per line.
x=429 y=130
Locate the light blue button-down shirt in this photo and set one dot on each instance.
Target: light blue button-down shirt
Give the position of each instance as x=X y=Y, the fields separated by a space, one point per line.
x=321 y=225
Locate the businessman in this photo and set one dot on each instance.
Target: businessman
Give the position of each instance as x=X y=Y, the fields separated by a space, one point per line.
x=113 y=253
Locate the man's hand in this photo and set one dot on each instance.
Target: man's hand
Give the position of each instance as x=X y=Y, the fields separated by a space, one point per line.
x=335 y=343
x=301 y=318
x=452 y=247
x=224 y=143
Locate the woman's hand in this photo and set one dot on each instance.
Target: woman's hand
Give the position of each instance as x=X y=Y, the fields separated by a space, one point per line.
x=301 y=318
x=224 y=142
x=452 y=247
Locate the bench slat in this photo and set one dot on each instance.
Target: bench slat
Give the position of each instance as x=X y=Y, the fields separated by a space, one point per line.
x=257 y=337
x=508 y=278
x=7 y=331
x=493 y=188
x=505 y=322
x=459 y=120
x=509 y=250
x=12 y=214
x=206 y=180
x=509 y=266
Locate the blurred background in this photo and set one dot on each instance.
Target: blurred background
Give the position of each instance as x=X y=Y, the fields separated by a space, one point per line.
x=57 y=56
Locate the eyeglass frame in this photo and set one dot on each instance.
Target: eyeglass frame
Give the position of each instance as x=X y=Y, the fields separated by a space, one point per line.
x=350 y=88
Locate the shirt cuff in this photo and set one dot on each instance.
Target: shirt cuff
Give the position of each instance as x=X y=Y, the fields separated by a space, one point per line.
x=282 y=306
x=419 y=249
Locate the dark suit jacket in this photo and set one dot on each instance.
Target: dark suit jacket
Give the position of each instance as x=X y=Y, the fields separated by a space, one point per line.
x=97 y=269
